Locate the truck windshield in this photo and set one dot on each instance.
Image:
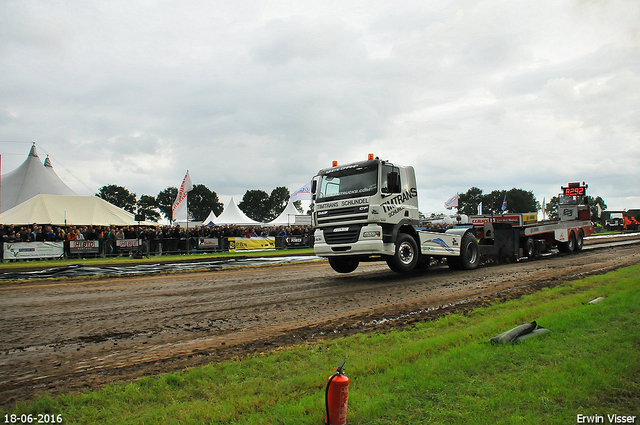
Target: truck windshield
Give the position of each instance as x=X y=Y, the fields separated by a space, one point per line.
x=348 y=183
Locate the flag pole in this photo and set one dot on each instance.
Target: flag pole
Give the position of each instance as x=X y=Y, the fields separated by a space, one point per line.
x=186 y=200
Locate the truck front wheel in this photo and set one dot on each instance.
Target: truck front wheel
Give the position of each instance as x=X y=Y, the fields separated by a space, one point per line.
x=406 y=255
x=343 y=264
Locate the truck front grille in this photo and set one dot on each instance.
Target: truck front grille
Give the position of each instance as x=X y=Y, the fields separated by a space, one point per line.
x=341 y=234
x=359 y=212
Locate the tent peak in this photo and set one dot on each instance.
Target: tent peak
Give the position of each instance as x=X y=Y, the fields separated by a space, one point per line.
x=33 y=151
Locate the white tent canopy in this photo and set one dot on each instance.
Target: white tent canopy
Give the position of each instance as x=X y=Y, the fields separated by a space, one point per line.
x=211 y=218
x=233 y=215
x=286 y=217
x=59 y=210
x=31 y=178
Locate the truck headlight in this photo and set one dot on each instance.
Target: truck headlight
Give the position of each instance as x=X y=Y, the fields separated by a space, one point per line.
x=371 y=234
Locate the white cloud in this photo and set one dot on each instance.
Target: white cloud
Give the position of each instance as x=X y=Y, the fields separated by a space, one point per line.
x=254 y=96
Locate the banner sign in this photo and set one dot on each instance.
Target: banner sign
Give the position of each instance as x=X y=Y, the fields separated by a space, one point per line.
x=128 y=243
x=31 y=250
x=209 y=243
x=296 y=241
x=515 y=219
x=257 y=243
x=81 y=247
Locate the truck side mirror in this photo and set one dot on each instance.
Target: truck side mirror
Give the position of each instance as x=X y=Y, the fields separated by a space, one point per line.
x=314 y=186
x=393 y=182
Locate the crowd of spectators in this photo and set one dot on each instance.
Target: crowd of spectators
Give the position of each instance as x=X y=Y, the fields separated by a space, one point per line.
x=157 y=239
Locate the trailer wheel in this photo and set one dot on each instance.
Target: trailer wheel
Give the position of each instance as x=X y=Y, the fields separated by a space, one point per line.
x=568 y=246
x=406 y=255
x=579 y=241
x=529 y=251
x=343 y=264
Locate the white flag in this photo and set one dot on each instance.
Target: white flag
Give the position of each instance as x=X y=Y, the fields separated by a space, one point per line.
x=452 y=202
x=179 y=209
x=480 y=208
x=303 y=193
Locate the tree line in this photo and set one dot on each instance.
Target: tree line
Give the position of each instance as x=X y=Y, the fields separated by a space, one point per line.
x=256 y=204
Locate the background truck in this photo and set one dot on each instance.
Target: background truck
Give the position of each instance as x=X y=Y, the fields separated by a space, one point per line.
x=368 y=211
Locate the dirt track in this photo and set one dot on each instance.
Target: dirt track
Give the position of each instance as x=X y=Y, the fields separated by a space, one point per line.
x=75 y=333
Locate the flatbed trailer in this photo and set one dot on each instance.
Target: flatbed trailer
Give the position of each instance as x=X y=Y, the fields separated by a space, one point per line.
x=512 y=236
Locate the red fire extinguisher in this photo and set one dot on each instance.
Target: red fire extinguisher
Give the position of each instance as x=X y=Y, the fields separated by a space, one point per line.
x=335 y=397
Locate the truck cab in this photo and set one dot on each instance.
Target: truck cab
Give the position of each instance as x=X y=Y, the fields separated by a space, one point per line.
x=368 y=211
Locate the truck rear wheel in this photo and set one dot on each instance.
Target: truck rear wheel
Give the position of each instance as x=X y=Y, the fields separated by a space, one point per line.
x=469 y=252
x=406 y=255
x=343 y=264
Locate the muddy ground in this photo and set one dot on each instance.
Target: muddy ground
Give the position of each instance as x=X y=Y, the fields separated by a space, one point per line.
x=71 y=334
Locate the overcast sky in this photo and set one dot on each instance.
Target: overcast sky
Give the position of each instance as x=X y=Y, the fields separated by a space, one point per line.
x=254 y=95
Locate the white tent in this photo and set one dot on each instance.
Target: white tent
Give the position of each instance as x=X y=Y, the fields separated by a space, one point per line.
x=233 y=215
x=286 y=217
x=62 y=210
x=31 y=178
x=211 y=218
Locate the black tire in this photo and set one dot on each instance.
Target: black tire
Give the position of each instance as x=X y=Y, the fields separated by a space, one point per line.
x=469 y=252
x=579 y=241
x=343 y=264
x=406 y=255
x=528 y=248
x=568 y=246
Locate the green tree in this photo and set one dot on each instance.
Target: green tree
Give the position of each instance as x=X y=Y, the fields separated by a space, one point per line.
x=165 y=200
x=596 y=207
x=552 y=208
x=493 y=201
x=255 y=204
x=118 y=196
x=521 y=201
x=201 y=201
x=468 y=202
x=278 y=201
x=148 y=206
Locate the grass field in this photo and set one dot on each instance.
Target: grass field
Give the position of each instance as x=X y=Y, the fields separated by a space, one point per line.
x=441 y=372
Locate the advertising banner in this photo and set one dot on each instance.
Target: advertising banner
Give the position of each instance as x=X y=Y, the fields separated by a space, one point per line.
x=211 y=244
x=515 y=219
x=295 y=241
x=33 y=250
x=257 y=243
x=82 y=247
x=128 y=243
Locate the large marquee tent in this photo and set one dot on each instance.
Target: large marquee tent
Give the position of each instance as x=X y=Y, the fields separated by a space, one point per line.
x=31 y=178
x=59 y=210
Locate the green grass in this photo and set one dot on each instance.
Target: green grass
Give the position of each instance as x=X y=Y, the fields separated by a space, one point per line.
x=441 y=372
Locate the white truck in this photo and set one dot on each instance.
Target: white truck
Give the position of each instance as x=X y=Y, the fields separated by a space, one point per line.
x=368 y=211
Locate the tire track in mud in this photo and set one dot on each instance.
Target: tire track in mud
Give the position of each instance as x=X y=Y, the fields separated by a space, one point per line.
x=75 y=333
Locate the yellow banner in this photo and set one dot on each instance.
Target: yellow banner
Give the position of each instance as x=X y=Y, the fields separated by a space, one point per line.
x=529 y=218
x=258 y=243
